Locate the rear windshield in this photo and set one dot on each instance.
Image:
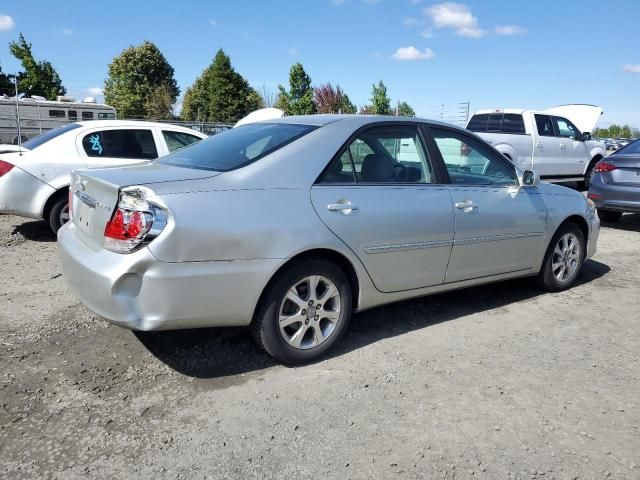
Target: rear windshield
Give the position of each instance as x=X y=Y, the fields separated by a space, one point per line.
x=237 y=147
x=35 y=142
x=497 y=123
x=630 y=149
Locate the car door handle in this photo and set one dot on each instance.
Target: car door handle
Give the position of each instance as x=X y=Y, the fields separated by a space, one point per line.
x=345 y=208
x=563 y=146
x=539 y=145
x=466 y=206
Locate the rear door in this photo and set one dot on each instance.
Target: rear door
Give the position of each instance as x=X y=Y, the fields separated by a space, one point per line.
x=117 y=146
x=383 y=198
x=546 y=148
x=498 y=224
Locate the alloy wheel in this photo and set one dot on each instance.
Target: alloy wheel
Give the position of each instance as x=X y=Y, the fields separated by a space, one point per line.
x=566 y=258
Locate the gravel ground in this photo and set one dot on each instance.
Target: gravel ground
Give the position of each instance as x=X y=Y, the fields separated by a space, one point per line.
x=501 y=381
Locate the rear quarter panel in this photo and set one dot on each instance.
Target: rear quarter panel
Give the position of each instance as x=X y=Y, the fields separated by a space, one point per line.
x=517 y=147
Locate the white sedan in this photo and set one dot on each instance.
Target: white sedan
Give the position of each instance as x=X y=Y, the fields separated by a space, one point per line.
x=34 y=182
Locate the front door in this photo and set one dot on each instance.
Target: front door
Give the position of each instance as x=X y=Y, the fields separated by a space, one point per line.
x=546 y=149
x=382 y=198
x=498 y=224
x=572 y=149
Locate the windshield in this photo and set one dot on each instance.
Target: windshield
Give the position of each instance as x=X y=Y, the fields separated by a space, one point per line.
x=630 y=149
x=237 y=147
x=35 y=142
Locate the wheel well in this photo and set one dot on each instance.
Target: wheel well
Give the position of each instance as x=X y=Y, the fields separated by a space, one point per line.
x=594 y=160
x=63 y=192
x=581 y=222
x=507 y=155
x=322 y=253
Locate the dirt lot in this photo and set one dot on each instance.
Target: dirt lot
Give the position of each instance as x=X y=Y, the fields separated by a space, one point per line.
x=500 y=381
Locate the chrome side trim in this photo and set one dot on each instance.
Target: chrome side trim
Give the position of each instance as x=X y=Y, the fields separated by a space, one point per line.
x=495 y=238
x=408 y=246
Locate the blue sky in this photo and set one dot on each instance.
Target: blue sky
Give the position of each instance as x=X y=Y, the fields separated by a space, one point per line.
x=493 y=53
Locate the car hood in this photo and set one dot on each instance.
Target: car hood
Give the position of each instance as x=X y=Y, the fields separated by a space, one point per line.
x=146 y=174
x=584 y=117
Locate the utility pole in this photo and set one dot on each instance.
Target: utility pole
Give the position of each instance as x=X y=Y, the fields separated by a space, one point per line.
x=463 y=110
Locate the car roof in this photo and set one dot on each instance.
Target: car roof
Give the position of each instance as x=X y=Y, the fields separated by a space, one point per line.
x=354 y=120
x=136 y=123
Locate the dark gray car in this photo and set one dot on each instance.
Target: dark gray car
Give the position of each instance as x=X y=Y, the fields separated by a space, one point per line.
x=615 y=185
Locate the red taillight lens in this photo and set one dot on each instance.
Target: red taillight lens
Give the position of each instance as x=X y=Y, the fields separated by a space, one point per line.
x=5 y=167
x=602 y=167
x=127 y=225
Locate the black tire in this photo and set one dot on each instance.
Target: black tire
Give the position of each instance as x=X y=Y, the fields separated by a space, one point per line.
x=56 y=211
x=546 y=278
x=265 y=326
x=609 y=216
x=584 y=185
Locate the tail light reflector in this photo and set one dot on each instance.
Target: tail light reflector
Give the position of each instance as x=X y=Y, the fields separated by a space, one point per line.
x=5 y=167
x=602 y=167
x=134 y=223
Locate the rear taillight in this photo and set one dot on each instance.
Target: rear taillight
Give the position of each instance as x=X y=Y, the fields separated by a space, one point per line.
x=602 y=167
x=134 y=223
x=5 y=167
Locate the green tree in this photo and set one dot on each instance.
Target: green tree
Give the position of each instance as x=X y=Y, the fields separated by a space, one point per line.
x=380 y=102
x=299 y=99
x=614 y=130
x=405 y=110
x=625 y=132
x=220 y=94
x=6 y=84
x=133 y=77
x=346 y=106
x=38 y=77
x=160 y=104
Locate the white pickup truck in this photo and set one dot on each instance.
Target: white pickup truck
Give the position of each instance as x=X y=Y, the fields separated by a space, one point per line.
x=555 y=142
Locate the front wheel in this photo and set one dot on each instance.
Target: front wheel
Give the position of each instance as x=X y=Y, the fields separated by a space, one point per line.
x=563 y=260
x=59 y=214
x=609 y=216
x=304 y=312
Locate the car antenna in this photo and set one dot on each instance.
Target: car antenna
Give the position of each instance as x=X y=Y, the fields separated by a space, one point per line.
x=15 y=81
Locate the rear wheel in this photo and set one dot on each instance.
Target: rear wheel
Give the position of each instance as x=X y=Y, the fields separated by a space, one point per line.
x=59 y=213
x=584 y=185
x=609 y=216
x=303 y=312
x=563 y=261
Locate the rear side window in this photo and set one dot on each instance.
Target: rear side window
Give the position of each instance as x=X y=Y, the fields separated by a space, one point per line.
x=544 y=125
x=238 y=147
x=497 y=123
x=47 y=136
x=177 y=140
x=87 y=115
x=130 y=144
x=106 y=116
x=56 y=113
x=73 y=115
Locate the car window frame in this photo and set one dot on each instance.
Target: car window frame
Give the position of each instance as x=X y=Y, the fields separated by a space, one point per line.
x=554 y=121
x=435 y=164
x=161 y=131
x=82 y=135
x=465 y=133
x=553 y=125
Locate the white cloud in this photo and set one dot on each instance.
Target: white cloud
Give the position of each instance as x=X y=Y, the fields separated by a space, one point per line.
x=410 y=22
x=95 y=91
x=631 y=67
x=428 y=33
x=213 y=23
x=457 y=17
x=6 y=23
x=412 y=53
x=509 y=30
x=293 y=51
x=66 y=31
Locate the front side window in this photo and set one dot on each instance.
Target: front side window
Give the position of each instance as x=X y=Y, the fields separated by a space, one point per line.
x=131 y=144
x=177 y=140
x=469 y=162
x=238 y=147
x=382 y=155
x=565 y=128
x=544 y=125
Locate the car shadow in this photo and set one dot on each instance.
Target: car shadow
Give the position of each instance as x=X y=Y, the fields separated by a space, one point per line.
x=38 y=231
x=220 y=352
x=629 y=222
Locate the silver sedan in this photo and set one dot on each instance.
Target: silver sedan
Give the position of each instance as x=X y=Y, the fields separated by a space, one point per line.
x=290 y=226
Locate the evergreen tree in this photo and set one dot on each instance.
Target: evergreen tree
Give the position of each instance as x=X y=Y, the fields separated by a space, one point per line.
x=405 y=110
x=380 y=102
x=6 y=84
x=220 y=94
x=299 y=99
x=38 y=78
x=134 y=76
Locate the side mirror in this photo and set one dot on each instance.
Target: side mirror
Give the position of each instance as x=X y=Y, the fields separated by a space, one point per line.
x=586 y=136
x=530 y=178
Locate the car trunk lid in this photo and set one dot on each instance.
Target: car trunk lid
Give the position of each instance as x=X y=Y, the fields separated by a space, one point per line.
x=627 y=169
x=95 y=193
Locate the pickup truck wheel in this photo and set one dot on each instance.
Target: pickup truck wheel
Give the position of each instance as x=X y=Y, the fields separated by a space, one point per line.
x=304 y=312
x=59 y=214
x=563 y=260
x=584 y=185
x=609 y=216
